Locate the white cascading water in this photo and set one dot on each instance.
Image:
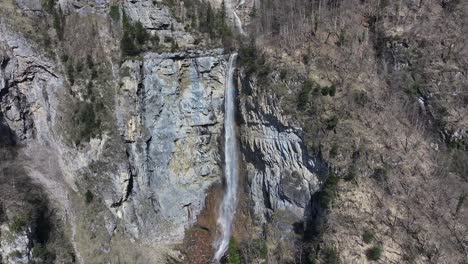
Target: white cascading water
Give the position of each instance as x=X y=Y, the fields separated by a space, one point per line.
x=237 y=19
x=229 y=203
x=239 y=24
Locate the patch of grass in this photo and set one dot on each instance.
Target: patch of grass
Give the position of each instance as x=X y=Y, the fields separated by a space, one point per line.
x=374 y=253
x=89 y=197
x=79 y=66
x=141 y=35
x=415 y=89
x=253 y=250
x=360 y=97
x=303 y=96
x=324 y=91
x=71 y=72
x=332 y=90
x=380 y=174
x=328 y=192
x=248 y=55
x=114 y=12
x=15 y=254
x=40 y=251
x=19 y=223
x=48 y=5
x=65 y=58
x=174 y=46
x=331 y=255
x=233 y=256
x=89 y=61
x=311 y=260
x=306 y=58
x=461 y=144
x=154 y=41
x=351 y=175
x=283 y=74
x=134 y=37
x=331 y=122
x=88 y=123
x=263 y=71
x=368 y=236
x=59 y=22
x=334 y=150
x=316 y=91
x=168 y=39
x=461 y=201
x=262 y=248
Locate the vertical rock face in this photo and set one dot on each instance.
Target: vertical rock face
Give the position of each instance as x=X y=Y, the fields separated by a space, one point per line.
x=24 y=77
x=172 y=111
x=157 y=18
x=169 y=113
x=152 y=168
x=281 y=175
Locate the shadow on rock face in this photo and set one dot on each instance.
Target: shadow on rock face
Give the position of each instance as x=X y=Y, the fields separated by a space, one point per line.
x=7 y=136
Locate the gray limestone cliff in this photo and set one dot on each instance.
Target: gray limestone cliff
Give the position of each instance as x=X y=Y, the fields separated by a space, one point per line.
x=282 y=176
x=141 y=149
x=154 y=171
x=171 y=109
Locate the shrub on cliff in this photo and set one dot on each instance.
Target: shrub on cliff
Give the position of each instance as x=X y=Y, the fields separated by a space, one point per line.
x=48 y=5
x=19 y=223
x=114 y=12
x=360 y=98
x=374 y=253
x=71 y=73
x=88 y=123
x=233 y=256
x=332 y=122
x=127 y=43
x=332 y=90
x=248 y=57
x=328 y=193
x=40 y=253
x=134 y=37
x=141 y=35
x=303 y=97
x=367 y=236
x=331 y=255
x=89 y=196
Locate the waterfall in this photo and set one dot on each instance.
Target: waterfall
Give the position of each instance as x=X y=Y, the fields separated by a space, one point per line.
x=229 y=203
x=237 y=19
x=239 y=24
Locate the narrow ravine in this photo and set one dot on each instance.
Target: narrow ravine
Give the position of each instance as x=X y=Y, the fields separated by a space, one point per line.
x=229 y=203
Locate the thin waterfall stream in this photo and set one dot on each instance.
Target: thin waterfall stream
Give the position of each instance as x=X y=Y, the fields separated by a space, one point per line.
x=237 y=20
x=228 y=206
x=229 y=203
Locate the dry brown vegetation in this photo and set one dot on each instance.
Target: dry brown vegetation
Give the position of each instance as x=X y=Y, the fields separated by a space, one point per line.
x=403 y=172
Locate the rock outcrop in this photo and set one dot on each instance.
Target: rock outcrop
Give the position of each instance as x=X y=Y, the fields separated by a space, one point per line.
x=280 y=172
x=157 y=19
x=137 y=153
x=16 y=248
x=171 y=112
